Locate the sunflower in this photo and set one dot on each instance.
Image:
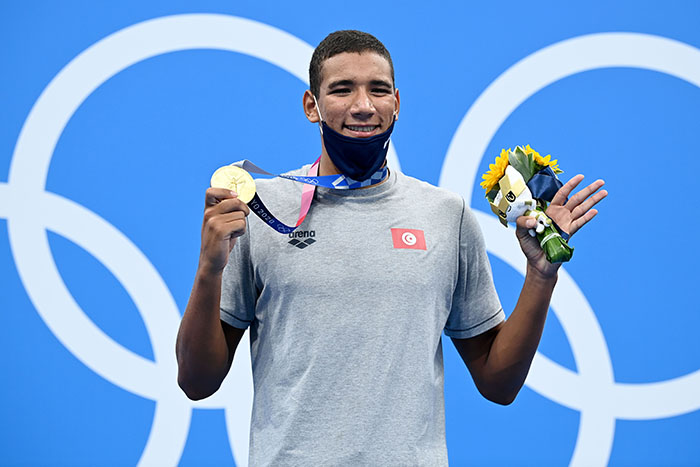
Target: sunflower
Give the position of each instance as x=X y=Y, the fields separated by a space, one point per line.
x=496 y=171
x=543 y=161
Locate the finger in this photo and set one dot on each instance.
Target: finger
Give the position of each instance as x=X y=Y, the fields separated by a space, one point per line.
x=229 y=217
x=588 y=204
x=564 y=191
x=229 y=205
x=225 y=226
x=523 y=224
x=582 y=195
x=214 y=196
x=583 y=220
x=236 y=228
x=233 y=227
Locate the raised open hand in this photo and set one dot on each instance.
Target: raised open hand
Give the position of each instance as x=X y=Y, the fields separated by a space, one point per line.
x=573 y=214
x=569 y=215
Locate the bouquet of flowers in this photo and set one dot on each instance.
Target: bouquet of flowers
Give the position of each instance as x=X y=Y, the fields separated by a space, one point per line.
x=522 y=183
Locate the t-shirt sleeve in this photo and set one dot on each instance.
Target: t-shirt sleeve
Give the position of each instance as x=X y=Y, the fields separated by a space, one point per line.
x=238 y=292
x=475 y=304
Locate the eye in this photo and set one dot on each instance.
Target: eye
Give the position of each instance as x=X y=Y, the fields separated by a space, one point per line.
x=340 y=91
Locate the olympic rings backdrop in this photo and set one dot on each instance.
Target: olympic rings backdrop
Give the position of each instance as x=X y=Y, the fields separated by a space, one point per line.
x=114 y=115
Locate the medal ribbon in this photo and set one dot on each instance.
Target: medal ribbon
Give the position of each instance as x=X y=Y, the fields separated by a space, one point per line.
x=310 y=181
x=335 y=182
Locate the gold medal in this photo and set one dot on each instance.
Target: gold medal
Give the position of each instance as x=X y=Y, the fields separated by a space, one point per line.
x=235 y=179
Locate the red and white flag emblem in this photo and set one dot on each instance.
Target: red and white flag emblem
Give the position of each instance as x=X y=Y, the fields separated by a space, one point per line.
x=412 y=239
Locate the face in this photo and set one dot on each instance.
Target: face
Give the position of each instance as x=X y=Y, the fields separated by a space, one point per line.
x=356 y=97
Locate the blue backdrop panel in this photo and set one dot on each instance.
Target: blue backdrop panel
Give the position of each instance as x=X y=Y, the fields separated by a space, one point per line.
x=114 y=115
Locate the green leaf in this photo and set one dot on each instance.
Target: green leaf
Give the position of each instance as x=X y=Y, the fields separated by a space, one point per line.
x=557 y=250
x=534 y=166
x=491 y=195
x=522 y=163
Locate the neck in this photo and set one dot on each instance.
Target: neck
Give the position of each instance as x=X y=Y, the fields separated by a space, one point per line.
x=326 y=166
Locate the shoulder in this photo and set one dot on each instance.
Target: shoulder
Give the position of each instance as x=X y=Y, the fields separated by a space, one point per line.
x=444 y=207
x=436 y=197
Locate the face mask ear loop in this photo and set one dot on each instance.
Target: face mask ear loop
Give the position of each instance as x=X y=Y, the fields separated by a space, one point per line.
x=320 y=117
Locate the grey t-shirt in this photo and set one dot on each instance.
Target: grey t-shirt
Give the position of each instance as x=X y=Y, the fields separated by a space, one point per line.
x=346 y=328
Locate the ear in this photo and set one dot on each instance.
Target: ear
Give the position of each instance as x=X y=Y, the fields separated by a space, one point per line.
x=398 y=103
x=310 y=109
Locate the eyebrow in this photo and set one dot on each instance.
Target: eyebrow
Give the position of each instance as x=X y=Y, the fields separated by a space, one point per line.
x=349 y=82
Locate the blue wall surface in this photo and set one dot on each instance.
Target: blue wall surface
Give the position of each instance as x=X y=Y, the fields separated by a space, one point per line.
x=114 y=115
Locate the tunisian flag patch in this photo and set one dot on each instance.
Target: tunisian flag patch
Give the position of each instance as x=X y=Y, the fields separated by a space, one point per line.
x=412 y=239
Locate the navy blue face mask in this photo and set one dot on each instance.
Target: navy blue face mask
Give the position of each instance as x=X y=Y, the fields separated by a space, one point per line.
x=358 y=158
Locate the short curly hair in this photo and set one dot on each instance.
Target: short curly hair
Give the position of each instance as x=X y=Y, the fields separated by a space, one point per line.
x=344 y=41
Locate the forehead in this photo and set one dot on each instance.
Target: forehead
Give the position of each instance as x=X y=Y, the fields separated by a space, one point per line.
x=358 y=67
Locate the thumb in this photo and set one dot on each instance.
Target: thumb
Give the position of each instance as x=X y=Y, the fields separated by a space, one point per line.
x=523 y=224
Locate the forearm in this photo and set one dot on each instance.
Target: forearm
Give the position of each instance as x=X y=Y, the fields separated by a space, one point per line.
x=514 y=346
x=202 y=351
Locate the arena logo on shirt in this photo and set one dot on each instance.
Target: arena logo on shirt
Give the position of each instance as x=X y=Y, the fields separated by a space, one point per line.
x=306 y=235
x=412 y=239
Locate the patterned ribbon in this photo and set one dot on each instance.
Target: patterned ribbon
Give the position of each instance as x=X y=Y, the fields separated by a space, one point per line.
x=336 y=182
x=311 y=181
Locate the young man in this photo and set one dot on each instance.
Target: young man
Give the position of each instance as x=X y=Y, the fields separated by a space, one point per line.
x=346 y=333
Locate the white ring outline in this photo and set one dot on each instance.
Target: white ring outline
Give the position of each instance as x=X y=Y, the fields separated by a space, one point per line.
x=593 y=390
x=31 y=210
